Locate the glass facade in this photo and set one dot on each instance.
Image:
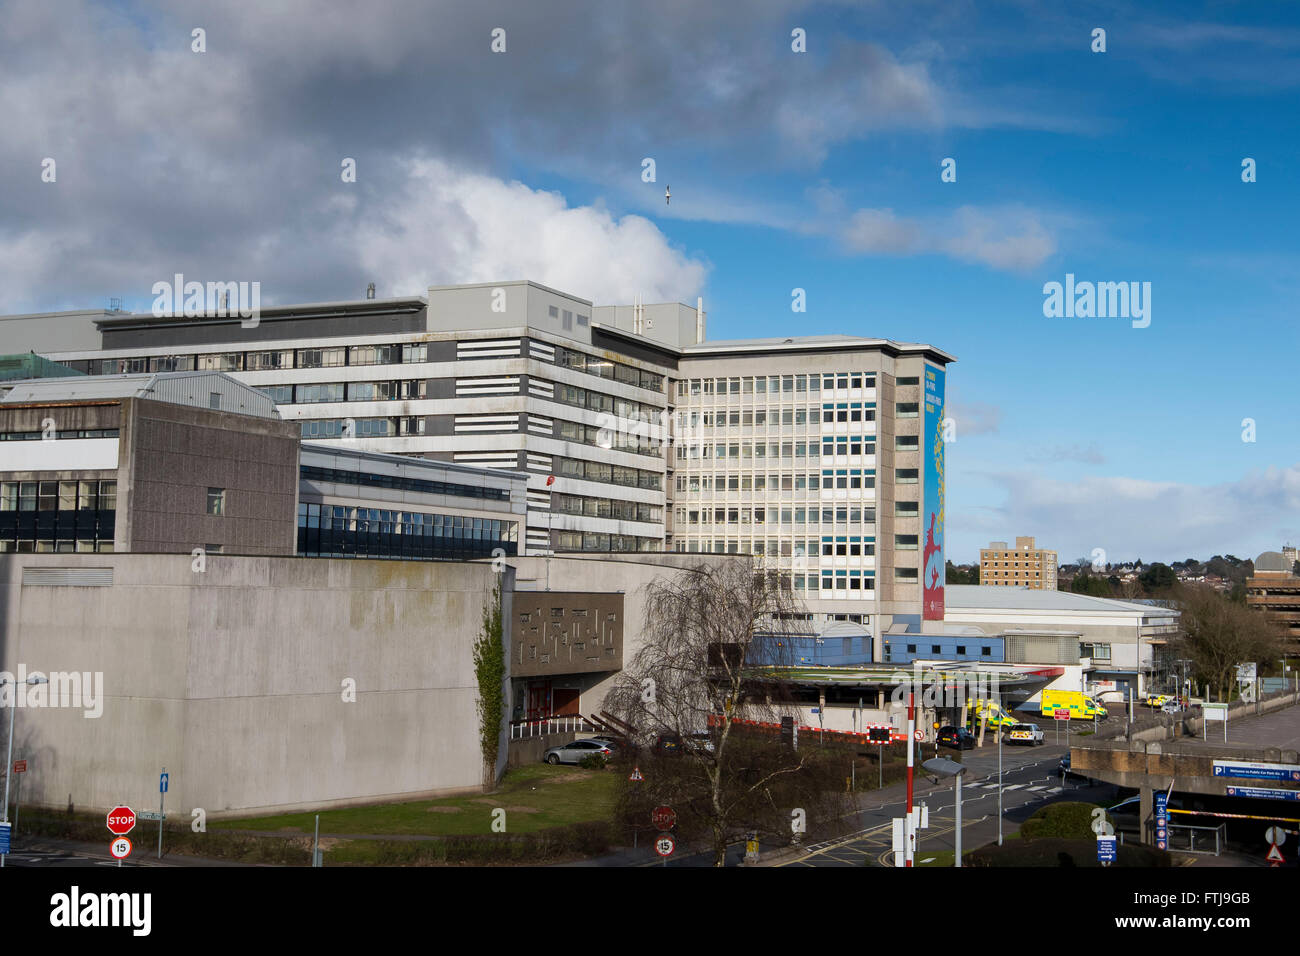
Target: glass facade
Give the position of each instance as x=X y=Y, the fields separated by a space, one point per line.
x=57 y=516
x=326 y=530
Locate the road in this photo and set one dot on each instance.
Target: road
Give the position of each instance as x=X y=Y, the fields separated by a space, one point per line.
x=1030 y=780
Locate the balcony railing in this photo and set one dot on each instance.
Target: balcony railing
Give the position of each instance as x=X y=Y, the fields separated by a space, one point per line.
x=568 y=724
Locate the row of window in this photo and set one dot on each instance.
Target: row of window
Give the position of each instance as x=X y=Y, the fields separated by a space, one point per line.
x=774 y=384
x=337 y=356
x=349 y=392
x=743 y=516
x=342 y=531
x=586 y=541
x=604 y=368
x=613 y=474
x=80 y=545
x=58 y=496
x=600 y=402
x=361 y=427
x=605 y=508
x=614 y=438
x=55 y=433
x=746 y=418
x=402 y=483
x=783 y=384
x=746 y=451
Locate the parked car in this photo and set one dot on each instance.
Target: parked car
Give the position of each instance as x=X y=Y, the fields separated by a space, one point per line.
x=576 y=751
x=1030 y=734
x=1171 y=706
x=1157 y=700
x=957 y=737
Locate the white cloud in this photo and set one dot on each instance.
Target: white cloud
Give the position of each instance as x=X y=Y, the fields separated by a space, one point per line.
x=974 y=418
x=450 y=225
x=1155 y=520
x=1008 y=238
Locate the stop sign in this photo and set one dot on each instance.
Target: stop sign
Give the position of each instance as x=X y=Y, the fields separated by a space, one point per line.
x=664 y=818
x=121 y=820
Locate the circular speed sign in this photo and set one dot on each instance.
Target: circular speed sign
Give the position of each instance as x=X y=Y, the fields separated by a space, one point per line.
x=664 y=846
x=120 y=848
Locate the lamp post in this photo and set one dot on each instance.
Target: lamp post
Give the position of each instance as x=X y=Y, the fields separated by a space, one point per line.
x=1000 y=733
x=9 y=760
x=943 y=767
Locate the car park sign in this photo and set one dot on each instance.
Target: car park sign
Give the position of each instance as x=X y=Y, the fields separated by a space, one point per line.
x=1106 y=850
x=1162 y=821
x=1262 y=793
x=1257 y=771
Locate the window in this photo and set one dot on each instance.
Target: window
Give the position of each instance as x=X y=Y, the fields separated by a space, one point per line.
x=909 y=380
x=911 y=648
x=986 y=651
x=907 y=409
x=905 y=476
x=905 y=574
x=906 y=509
x=216 y=501
x=934 y=648
x=905 y=542
x=907 y=443
x=214 y=399
x=961 y=648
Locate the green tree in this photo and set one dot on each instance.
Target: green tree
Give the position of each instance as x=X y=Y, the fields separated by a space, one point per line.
x=490 y=674
x=1157 y=577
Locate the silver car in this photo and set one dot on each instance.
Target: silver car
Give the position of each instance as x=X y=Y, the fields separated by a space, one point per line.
x=576 y=751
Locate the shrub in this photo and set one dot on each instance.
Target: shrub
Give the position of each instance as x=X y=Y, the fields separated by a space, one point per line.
x=1066 y=821
x=592 y=762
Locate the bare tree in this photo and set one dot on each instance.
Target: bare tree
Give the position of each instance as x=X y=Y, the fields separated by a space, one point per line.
x=1219 y=634
x=718 y=641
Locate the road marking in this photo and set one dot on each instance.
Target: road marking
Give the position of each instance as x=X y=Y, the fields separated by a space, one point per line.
x=1039 y=787
x=1054 y=790
x=1013 y=786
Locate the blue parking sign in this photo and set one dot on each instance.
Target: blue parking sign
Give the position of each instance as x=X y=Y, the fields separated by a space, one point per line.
x=1106 y=849
x=4 y=836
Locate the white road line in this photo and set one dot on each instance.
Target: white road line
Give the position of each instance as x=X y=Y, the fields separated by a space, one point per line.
x=1054 y=790
x=1013 y=786
x=1039 y=787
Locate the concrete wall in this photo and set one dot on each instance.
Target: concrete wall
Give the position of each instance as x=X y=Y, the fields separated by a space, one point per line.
x=232 y=678
x=174 y=453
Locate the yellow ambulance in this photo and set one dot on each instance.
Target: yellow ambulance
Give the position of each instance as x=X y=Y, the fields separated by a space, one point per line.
x=1080 y=705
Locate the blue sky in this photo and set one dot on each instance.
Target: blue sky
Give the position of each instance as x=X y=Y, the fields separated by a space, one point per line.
x=816 y=170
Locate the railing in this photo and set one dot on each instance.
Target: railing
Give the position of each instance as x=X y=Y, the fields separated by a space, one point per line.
x=525 y=729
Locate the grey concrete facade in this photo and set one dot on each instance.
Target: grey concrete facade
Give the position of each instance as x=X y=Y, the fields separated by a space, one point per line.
x=235 y=678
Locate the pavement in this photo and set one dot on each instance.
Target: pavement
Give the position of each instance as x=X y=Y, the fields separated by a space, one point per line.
x=1279 y=729
x=47 y=852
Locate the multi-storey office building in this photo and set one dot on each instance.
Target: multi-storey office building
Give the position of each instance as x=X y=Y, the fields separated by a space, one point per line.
x=508 y=376
x=813 y=453
x=1022 y=566
x=823 y=455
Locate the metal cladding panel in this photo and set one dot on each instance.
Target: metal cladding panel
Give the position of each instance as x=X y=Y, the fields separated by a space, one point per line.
x=68 y=577
x=196 y=389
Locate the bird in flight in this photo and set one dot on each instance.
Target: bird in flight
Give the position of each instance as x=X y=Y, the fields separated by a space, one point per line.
x=668 y=195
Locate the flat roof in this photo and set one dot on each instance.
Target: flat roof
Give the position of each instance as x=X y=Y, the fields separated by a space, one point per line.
x=969 y=597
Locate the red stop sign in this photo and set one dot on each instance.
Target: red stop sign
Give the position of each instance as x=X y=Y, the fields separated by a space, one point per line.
x=664 y=818
x=121 y=820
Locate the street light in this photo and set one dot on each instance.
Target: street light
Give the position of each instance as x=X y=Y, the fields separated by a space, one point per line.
x=943 y=767
x=9 y=760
